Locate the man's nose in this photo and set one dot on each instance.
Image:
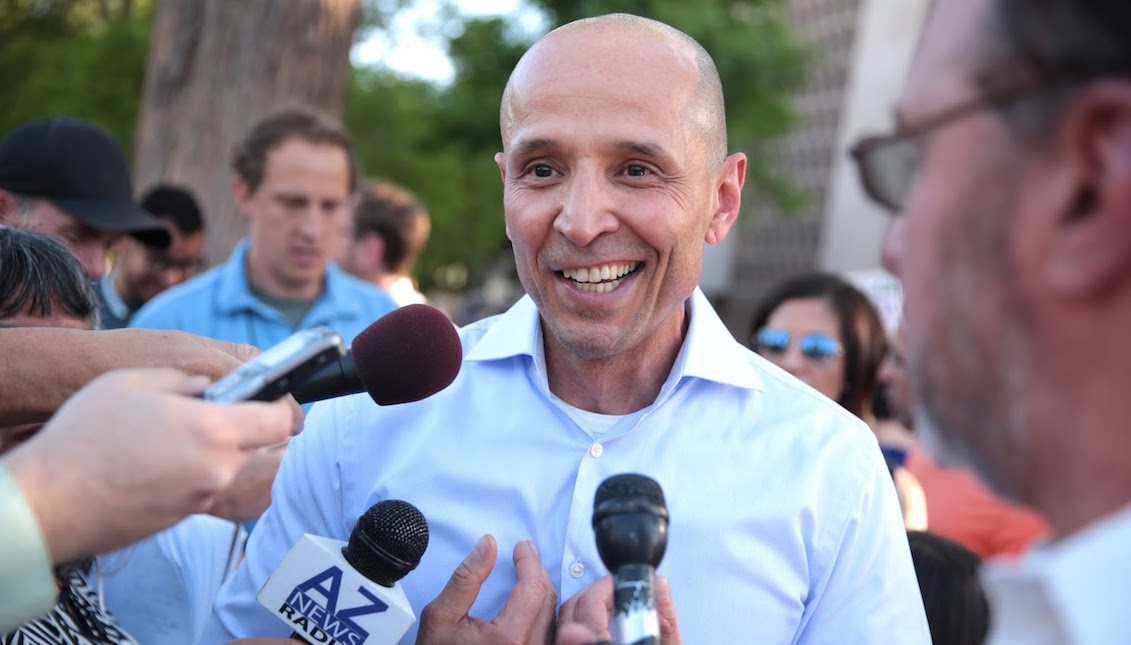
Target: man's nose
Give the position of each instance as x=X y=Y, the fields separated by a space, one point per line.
x=894 y=245
x=93 y=259
x=171 y=276
x=792 y=360
x=587 y=210
x=312 y=221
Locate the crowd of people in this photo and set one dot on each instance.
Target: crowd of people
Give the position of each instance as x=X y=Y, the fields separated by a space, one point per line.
x=961 y=477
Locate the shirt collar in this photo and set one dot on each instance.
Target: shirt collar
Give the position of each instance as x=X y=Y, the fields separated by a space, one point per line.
x=235 y=293
x=110 y=296
x=709 y=351
x=1075 y=578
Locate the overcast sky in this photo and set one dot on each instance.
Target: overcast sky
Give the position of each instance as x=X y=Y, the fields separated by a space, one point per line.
x=405 y=50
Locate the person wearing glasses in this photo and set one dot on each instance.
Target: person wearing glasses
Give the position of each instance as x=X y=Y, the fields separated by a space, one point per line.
x=824 y=331
x=1009 y=171
x=821 y=329
x=142 y=271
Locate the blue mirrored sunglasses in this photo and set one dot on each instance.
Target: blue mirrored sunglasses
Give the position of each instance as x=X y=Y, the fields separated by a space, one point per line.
x=815 y=347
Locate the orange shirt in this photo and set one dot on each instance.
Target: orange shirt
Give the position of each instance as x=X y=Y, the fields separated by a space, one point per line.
x=961 y=508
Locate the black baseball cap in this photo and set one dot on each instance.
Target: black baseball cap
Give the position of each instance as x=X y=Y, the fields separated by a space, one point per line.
x=79 y=168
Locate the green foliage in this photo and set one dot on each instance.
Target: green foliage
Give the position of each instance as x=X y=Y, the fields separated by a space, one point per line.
x=440 y=143
x=76 y=57
x=405 y=130
x=760 y=61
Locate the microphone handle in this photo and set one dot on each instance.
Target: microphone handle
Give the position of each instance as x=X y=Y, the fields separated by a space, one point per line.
x=336 y=378
x=635 y=621
x=299 y=637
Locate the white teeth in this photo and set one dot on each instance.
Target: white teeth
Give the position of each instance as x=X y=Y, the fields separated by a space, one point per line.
x=599 y=287
x=599 y=274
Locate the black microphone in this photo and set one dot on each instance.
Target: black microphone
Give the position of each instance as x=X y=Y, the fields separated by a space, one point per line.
x=407 y=355
x=330 y=592
x=630 y=520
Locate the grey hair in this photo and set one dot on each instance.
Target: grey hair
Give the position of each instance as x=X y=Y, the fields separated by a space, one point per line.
x=1062 y=44
x=40 y=276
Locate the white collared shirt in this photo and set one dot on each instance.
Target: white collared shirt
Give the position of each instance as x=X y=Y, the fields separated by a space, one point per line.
x=785 y=526
x=1070 y=592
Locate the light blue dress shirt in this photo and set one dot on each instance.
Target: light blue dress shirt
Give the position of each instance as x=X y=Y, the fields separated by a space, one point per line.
x=161 y=589
x=220 y=304
x=785 y=526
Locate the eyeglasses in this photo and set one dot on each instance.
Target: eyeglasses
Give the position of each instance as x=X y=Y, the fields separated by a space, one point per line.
x=815 y=347
x=887 y=163
x=159 y=262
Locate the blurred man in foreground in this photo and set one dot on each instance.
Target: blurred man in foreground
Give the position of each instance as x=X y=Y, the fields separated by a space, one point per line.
x=1010 y=169
x=959 y=505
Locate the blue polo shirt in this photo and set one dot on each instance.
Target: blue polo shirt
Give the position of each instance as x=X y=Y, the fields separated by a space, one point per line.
x=220 y=304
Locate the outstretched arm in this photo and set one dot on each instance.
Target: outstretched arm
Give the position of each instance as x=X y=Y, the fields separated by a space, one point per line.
x=44 y=366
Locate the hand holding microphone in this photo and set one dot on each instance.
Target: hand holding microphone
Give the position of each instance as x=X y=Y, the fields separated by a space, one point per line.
x=584 y=618
x=630 y=520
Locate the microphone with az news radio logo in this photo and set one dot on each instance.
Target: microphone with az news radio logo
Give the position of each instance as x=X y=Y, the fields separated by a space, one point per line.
x=331 y=593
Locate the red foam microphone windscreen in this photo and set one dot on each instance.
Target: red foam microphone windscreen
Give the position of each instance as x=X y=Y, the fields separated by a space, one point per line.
x=409 y=354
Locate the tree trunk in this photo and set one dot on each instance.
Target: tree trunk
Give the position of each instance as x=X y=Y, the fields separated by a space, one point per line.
x=216 y=67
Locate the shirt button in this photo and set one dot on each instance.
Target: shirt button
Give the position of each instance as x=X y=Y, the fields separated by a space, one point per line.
x=596 y=450
x=577 y=569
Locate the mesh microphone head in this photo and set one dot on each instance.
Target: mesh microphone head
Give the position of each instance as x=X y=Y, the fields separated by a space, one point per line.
x=387 y=542
x=630 y=521
x=630 y=485
x=409 y=354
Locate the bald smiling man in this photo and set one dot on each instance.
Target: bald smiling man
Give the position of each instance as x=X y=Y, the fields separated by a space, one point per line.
x=785 y=526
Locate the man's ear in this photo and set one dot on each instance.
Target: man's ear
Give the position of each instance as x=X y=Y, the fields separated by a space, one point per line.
x=728 y=190
x=374 y=246
x=242 y=193
x=1089 y=249
x=7 y=206
x=501 y=162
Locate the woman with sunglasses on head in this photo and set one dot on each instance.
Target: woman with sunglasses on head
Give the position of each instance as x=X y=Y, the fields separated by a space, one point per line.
x=824 y=331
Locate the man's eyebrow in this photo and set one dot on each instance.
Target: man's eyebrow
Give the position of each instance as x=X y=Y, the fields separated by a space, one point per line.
x=642 y=148
x=288 y=196
x=536 y=145
x=550 y=146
